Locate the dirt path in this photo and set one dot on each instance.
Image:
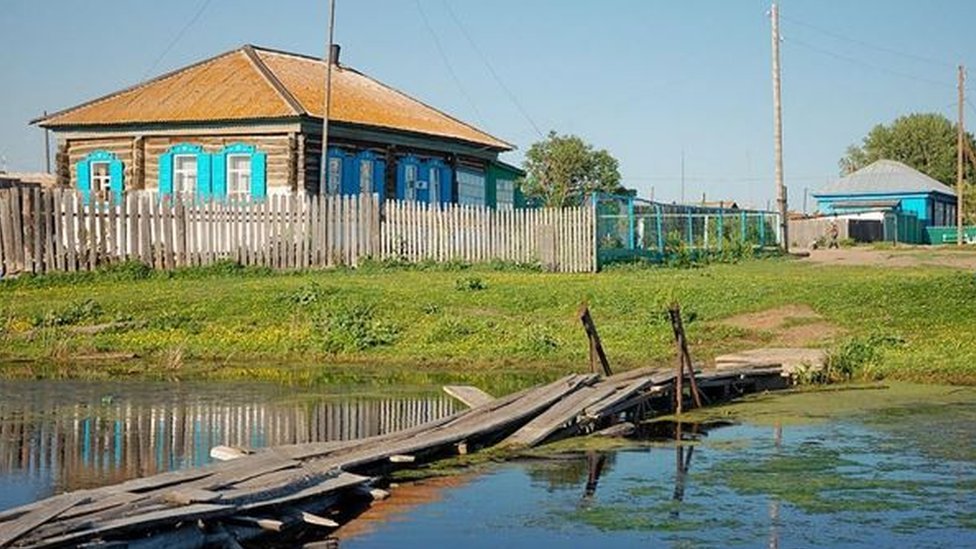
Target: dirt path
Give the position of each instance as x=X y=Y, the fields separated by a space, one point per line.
x=790 y=325
x=902 y=257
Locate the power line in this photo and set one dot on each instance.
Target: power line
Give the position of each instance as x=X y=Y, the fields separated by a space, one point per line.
x=177 y=38
x=868 y=65
x=450 y=69
x=885 y=49
x=491 y=69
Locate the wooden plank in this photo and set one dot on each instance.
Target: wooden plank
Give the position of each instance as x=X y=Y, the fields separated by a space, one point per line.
x=40 y=224
x=146 y=521
x=91 y=216
x=13 y=530
x=145 y=237
x=343 y=481
x=468 y=395
x=180 y=228
x=57 y=233
x=71 y=238
x=129 y=229
x=166 y=234
x=563 y=412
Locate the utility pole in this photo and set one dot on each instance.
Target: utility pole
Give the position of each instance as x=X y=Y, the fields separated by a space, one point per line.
x=778 y=132
x=324 y=162
x=682 y=176
x=960 y=140
x=805 y=191
x=47 y=148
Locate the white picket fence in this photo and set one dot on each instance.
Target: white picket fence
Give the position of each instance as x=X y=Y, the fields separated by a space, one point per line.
x=45 y=230
x=559 y=239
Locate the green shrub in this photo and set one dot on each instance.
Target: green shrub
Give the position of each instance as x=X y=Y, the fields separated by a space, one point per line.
x=857 y=357
x=74 y=313
x=354 y=327
x=307 y=294
x=470 y=284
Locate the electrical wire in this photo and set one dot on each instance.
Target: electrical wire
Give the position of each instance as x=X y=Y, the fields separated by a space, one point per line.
x=867 y=65
x=885 y=49
x=447 y=63
x=177 y=38
x=491 y=70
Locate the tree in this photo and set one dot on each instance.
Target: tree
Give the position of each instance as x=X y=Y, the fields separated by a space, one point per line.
x=926 y=142
x=562 y=170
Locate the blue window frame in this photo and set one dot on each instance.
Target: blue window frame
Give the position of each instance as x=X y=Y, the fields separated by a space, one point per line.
x=185 y=169
x=370 y=174
x=101 y=174
x=240 y=173
x=439 y=178
x=408 y=174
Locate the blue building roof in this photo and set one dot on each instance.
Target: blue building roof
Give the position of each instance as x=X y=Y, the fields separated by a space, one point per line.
x=885 y=177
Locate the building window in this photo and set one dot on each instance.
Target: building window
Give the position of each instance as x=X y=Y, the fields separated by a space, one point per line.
x=410 y=182
x=101 y=180
x=335 y=176
x=435 y=186
x=184 y=173
x=471 y=188
x=366 y=176
x=238 y=176
x=505 y=194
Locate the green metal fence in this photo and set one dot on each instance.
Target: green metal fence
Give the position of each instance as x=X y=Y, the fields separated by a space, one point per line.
x=948 y=235
x=629 y=228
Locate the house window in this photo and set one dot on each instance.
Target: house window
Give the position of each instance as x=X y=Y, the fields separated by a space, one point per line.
x=471 y=188
x=184 y=173
x=505 y=194
x=366 y=176
x=101 y=180
x=435 y=186
x=335 y=176
x=238 y=176
x=410 y=182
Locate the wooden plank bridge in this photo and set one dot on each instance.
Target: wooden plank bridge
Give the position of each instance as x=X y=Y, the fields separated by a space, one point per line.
x=267 y=493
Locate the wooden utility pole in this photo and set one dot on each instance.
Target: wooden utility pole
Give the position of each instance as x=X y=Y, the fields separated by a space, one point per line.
x=324 y=161
x=47 y=148
x=778 y=133
x=960 y=143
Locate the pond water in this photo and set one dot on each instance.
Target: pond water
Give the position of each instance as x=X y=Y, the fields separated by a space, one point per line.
x=859 y=469
x=898 y=477
x=66 y=435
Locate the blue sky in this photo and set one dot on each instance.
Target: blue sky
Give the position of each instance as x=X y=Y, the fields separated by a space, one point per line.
x=644 y=79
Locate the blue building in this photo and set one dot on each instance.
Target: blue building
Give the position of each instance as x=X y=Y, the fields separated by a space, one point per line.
x=890 y=187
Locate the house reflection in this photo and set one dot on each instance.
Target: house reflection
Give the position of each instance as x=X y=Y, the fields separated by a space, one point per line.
x=80 y=445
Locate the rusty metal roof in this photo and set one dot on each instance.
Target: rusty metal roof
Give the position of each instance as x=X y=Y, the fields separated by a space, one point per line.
x=256 y=83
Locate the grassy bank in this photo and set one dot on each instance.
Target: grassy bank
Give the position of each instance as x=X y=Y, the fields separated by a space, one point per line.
x=224 y=322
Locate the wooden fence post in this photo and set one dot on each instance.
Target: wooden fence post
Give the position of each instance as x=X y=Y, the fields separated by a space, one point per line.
x=596 y=347
x=684 y=360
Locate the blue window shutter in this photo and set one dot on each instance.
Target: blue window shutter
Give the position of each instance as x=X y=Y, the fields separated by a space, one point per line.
x=217 y=186
x=84 y=179
x=350 y=175
x=166 y=174
x=379 y=178
x=401 y=180
x=205 y=175
x=447 y=185
x=117 y=174
x=259 y=181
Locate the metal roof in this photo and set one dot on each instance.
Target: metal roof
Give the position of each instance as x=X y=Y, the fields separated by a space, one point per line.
x=252 y=83
x=885 y=177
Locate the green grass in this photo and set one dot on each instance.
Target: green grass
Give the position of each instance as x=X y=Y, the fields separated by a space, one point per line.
x=227 y=322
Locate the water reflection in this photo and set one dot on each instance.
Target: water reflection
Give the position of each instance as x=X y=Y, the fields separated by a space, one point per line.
x=66 y=436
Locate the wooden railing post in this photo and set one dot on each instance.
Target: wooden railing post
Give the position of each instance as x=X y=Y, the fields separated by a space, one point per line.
x=684 y=360
x=596 y=347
